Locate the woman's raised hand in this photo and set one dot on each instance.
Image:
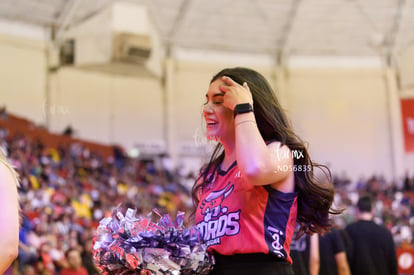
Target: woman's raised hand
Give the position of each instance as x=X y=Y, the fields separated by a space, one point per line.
x=234 y=93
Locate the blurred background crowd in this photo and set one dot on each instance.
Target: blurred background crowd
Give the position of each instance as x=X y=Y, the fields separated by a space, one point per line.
x=65 y=192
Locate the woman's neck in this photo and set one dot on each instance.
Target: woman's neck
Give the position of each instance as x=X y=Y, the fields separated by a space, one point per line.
x=229 y=155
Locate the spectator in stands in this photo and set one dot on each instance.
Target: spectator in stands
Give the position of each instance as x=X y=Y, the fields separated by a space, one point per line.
x=68 y=131
x=28 y=270
x=27 y=253
x=46 y=262
x=408 y=184
x=3 y=112
x=87 y=259
x=9 y=214
x=372 y=251
x=74 y=261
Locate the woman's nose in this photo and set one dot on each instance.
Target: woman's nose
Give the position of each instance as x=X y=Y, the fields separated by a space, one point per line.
x=207 y=108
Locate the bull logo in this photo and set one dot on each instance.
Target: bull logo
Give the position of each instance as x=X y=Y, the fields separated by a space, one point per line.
x=211 y=206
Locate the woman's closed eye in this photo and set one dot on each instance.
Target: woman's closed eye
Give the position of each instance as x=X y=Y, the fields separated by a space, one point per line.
x=217 y=99
x=214 y=102
x=217 y=102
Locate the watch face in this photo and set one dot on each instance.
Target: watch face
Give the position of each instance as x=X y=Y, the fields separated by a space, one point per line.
x=243 y=108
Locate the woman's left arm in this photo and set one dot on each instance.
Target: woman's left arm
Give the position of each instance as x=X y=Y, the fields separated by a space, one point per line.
x=9 y=218
x=261 y=164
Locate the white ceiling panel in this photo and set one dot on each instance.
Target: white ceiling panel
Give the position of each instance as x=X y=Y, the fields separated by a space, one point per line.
x=298 y=27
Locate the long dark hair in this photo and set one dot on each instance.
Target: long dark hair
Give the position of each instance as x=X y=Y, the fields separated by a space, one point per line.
x=315 y=194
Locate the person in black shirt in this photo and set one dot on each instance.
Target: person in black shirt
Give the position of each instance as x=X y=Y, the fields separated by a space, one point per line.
x=323 y=255
x=305 y=255
x=372 y=251
x=333 y=259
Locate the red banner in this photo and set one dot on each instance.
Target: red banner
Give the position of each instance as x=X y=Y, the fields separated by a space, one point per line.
x=405 y=259
x=407 y=112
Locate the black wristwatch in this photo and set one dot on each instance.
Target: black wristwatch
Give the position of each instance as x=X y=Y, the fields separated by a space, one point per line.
x=242 y=108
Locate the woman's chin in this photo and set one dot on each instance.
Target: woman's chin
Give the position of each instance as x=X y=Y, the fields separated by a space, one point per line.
x=212 y=137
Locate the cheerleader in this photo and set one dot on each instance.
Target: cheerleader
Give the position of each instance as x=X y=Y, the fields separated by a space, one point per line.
x=259 y=181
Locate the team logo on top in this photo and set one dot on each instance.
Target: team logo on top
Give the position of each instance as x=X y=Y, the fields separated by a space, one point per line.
x=217 y=221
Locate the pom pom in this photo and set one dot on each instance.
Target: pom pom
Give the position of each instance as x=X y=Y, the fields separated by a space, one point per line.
x=126 y=244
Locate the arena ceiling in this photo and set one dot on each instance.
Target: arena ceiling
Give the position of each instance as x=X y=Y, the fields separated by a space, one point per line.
x=292 y=27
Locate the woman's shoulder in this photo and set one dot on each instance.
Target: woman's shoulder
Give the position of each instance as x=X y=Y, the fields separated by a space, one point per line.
x=7 y=172
x=275 y=144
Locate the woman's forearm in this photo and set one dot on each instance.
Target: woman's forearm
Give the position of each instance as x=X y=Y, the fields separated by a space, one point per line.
x=256 y=160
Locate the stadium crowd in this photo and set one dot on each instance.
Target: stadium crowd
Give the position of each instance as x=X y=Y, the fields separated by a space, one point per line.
x=66 y=191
